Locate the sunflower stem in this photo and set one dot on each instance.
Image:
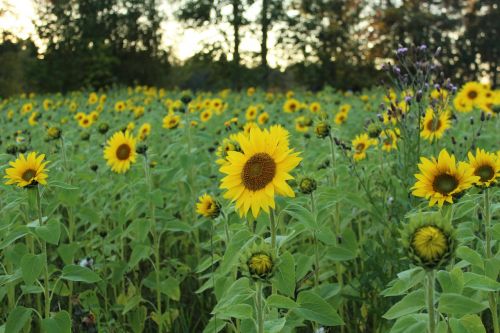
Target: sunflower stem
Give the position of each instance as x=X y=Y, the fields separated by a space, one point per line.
x=316 y=247
x=430 y=302
x=492 y=297
x=44 y=254
x=272 y=221
x=260 y=309
x=156 y=240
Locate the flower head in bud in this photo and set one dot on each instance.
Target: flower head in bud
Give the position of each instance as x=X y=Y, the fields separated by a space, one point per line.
x=258 y=262
x=429 y=240
x=307 y=185
x=322 y=129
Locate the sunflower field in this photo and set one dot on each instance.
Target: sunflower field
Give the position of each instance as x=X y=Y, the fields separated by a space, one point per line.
x=148 y=210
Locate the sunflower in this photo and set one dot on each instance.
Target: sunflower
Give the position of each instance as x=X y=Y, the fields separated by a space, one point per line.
x=47 y=104
x=442 y=179
x=33 y=120
x=259 y=171
x=473 y=92
x=360 y=144
x=92 y=98
x=206 y=115
x=120 y=151
x=315 y=107
x=461 y=104
x=207 y=206
x=301 y=124
x=120 y=106
x=26 y=108
x=171 y=121
x=434 y=126
x=27 y=171
x=251 y=113
x=389 y=139
x=85 y=121
x=144 y=131
x=486 y=166
x=249 y=126
x=340 y=118
x=345 y=108
x=263 y=118
x=291 y=105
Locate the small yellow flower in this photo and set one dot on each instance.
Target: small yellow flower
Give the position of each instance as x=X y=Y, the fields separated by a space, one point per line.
x=207 y=206
x=171 y=121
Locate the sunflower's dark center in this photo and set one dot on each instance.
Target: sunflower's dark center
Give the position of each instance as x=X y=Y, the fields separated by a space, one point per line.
x=123 y=152
x=472 y=94
x=293 y=106
x=209 y=205
x=360 y=147
x=485 y=172
x=86 y=121
x=444 y=184
x=258 y=171
x=434 y=125
x=388 y=141
x=28 y=175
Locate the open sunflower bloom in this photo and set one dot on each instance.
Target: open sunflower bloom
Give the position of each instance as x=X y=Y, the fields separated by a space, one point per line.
x=442 y=179
x=27 y=171
x=259 y=171
x=120 y=151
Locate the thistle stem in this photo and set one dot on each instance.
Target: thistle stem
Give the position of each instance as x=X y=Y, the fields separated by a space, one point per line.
x=430 y=302
x=492 y=297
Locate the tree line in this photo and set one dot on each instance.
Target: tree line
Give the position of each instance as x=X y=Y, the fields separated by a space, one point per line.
x=340 y=43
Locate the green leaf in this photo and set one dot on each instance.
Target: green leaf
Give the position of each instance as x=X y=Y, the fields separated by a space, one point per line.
x=281 y=302
x=49 y=232
x=238 y=241
x=238 y=311
x=67 y=252
x=415 y=323
x=17 y=319
x=139 y=253
x=458 y=304
x=275 y=325
x=312 y=307
x=285 y=275
x=411 y=303
x=451 y=282
x=13 y=235
x=472 y=323
x=31 y=267
x=215 y=325
x=237 y=293
x=480 y=282
x=59 y=323
x=405 y=281
x=79 y=274
x=471 y=256
x=171 y=288
x=302 y=215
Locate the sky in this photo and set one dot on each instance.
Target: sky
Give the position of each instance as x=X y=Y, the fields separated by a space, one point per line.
x=182 y=42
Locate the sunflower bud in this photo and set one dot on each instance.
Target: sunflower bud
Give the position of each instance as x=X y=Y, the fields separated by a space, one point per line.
x=374 y=130
x=103 y=128
x=258 y=262
x=85 y=136
x=307 y=185
x=142 y=149
x=11 y=149
x=322 y=129
x=429 y=240
x=54 y=133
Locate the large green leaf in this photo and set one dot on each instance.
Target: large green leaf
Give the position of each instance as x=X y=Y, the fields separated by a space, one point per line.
x=411 y=303
x=31 y=267
x=285 y=275
x=79 y=274
x=17 y=319
x=313 y=308
x=59 y=323
x=457 y=304
x=49 y=232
